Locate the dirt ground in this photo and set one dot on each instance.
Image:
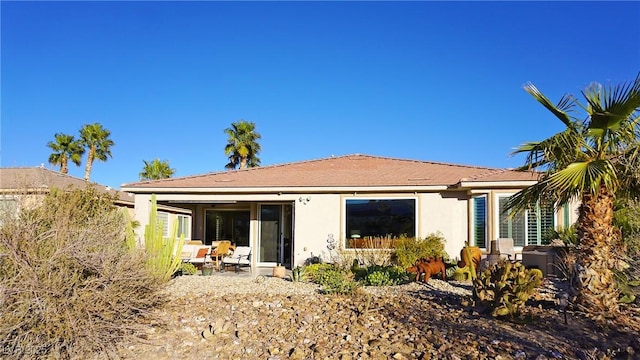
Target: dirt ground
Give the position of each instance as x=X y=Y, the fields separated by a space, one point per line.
x=412 y=322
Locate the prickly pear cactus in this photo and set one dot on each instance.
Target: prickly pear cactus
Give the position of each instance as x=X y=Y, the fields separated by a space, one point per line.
x=505 y=287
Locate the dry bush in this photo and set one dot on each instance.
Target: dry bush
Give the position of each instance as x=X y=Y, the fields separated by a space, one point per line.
x=368 y=251
x=70 y=283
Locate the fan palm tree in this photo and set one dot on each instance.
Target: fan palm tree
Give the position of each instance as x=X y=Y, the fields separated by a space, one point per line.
x=65 y=148
x=96 y=139
x=586 y=162
x=242 y=145
x=156 y=169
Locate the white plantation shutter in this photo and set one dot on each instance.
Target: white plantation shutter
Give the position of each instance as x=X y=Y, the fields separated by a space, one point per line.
x=480 y=221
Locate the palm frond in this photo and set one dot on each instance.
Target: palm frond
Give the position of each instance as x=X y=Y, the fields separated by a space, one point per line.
x=561 y=110
x=554 y=152
x=584 y=176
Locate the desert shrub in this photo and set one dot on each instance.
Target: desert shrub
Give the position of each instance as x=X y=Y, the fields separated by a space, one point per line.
x=314 y=271
x=408 y=250
x=332 y=279
x=71 y=284
x=381 y=275
x=187 y=268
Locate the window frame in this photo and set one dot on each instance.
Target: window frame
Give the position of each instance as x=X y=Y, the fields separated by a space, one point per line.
x=474 y=216
x=345 y=230
x=163 y=217
x=184 y=221
x=527 y=225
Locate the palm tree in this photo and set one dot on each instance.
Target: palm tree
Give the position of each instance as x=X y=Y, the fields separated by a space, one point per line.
x=96 y=139
x=65 y=148
x=242 y=145
x=156 y=169
x=586 y=162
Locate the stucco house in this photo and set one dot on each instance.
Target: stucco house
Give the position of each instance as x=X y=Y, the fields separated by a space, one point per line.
x=289 y=212
x=35 y=182
x=28 y=185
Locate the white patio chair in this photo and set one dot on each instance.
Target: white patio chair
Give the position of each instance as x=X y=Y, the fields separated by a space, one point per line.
x=506 y=248
x=241 y=257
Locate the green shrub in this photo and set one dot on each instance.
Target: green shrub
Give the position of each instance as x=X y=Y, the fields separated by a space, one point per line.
x=505 y=287
x=335 y=281
x=381 y=275
x=187 y=268
x=71 y=286
x=332 y=279
x=314 y=271
x=408 y=250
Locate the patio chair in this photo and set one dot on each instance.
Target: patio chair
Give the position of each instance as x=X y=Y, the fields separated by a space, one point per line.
x=506 y=247
x=200 y=255
x=220 y=252
x=240 y=257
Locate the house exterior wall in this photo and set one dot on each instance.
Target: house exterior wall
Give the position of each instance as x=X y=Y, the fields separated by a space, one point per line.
x=318 y=217
x=445 y=213
x=314 y=221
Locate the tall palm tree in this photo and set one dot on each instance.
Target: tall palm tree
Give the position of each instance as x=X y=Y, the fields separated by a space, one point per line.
x=156 y=169
x=96 y=139
x=65 y=148
x=242 y=145
x=586 y=162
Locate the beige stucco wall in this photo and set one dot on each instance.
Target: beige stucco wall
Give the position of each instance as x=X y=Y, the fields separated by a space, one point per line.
x=314 y=221
x=318 y=216
x=445 y=213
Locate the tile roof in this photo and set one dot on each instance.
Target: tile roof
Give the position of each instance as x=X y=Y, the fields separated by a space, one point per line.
x=40 y=178
x=342 y=171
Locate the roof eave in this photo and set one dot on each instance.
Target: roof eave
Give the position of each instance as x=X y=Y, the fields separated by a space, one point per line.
x=285 y=189
x=495 y=184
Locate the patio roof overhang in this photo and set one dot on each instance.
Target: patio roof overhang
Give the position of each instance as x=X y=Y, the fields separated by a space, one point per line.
x=288 y=190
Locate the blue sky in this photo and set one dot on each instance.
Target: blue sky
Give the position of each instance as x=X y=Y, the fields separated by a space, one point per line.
x=436 y=81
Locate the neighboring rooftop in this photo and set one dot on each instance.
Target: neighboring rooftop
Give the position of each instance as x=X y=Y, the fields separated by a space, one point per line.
x=343 y=171
x=41 y=179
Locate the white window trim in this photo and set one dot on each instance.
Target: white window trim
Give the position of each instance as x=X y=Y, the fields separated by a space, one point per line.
x=163 y=217
x=486 y=220
x=187 y=220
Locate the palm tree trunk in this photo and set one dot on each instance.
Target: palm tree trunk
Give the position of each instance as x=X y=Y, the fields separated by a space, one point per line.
x=593 y=280
x=87 y=170
x=64 y=168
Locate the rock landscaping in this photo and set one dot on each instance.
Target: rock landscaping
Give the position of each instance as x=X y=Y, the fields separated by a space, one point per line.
x=225 y=317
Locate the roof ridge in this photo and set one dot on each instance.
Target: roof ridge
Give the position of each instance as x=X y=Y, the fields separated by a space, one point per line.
x=309 y=161
x=256 y=168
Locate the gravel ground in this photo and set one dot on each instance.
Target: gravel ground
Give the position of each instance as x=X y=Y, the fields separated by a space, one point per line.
x=235 y=317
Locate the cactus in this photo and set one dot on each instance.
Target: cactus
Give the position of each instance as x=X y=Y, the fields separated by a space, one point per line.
x=160 y=251
x=460 y=274
x=297 y=274
x=505 y=287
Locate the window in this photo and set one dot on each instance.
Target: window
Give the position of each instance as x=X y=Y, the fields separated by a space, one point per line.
x=480 y=221
x=539 y=220
x=184 y=226
x=8 y=208
x=525 y=228
x=163 y=218
x=227 y=225
x=379 y=218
